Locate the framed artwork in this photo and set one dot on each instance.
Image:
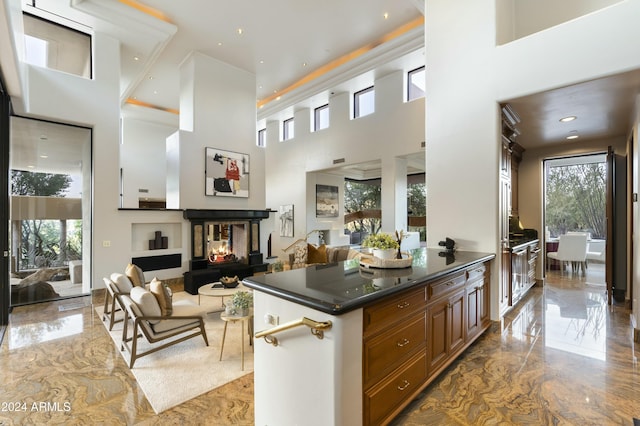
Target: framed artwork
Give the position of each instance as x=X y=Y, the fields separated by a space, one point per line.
x=286 y=220
x=226 y=173
x=326 y=201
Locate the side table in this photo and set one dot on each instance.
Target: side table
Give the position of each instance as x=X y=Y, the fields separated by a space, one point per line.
x=233 y=318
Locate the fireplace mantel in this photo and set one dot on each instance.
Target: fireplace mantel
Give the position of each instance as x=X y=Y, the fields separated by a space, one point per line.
x=205 y=214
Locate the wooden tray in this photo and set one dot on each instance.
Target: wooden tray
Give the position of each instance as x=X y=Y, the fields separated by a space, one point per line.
x=370 y=261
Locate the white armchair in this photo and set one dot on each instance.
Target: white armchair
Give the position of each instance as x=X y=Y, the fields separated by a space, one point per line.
x=144 y=311
x=571 y=248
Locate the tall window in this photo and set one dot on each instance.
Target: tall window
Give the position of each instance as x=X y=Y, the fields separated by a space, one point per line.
x=50 y=178
x=415 y=84
x=54 y=46
x=364 y=102
x=321 y=118
x=287 y=129
x=262 y=138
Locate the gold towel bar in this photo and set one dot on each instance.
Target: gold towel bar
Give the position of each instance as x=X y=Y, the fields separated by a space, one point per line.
x=317 y=329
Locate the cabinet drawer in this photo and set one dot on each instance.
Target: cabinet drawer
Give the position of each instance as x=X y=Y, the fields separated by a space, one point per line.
x=446 y=285
x=385 y=313
x=476 y=272
x=398 y=388
x=389 y=349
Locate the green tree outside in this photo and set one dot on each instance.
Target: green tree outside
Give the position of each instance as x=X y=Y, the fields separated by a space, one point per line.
x=576 y=200
x=40 y=240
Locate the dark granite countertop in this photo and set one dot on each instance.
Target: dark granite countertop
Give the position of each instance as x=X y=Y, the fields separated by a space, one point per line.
x=337 y=288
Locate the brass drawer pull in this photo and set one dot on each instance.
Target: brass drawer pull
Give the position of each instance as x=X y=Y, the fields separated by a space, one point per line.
x=405 y=384
x=402 y=343
x=403 y=305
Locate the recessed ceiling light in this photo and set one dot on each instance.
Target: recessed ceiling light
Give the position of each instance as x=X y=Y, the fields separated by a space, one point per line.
x=44 y=156
x=278 y=98
x=569 y=118
x=240 y=31
x=385 y=15
x=150 y=77
x=261 y=61
x=31 y=166
x=136 y=58
x=219 y=43
x=304 y=64
x=155 y=92
x=572 y=137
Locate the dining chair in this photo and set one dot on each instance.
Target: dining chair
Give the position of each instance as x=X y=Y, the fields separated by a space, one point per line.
x=571 y=248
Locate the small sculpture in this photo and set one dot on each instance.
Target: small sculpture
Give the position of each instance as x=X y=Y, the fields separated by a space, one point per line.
x=399 y=237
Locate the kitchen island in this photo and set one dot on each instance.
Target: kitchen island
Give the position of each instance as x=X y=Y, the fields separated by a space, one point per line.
x=349 y=345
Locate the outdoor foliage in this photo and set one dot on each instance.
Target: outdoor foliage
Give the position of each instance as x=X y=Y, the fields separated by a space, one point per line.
x=361 y=196
x=575 y=199
x=366 y=195
x=42 y=242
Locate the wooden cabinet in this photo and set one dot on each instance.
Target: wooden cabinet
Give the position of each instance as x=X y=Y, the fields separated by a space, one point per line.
x=410 y=338
x=478 y=302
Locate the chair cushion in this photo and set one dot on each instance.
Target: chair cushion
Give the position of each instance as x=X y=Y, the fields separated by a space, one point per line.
x=135 y=274
x=147 y=303
x=123 y=284
x=182 y=308
x=316 y=254
x=163 y=295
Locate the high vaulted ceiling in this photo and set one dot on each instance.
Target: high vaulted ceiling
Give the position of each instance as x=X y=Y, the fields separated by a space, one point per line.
x=282 y=41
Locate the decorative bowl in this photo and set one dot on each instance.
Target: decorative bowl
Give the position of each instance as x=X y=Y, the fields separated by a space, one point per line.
x=230 y=282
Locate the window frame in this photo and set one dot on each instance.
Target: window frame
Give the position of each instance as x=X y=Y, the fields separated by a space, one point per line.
x=285 y=129
x=409 y=74
x=316 y=117
x=72 y=30
x=262 y=138
x=356 y=103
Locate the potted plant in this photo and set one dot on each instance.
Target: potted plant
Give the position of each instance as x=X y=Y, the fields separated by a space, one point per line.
x=241 y=302
x=383 y=245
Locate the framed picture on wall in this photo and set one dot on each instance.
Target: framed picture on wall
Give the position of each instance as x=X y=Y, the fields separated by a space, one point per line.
x=226 y=173
x=326 y=201
x=286 y=220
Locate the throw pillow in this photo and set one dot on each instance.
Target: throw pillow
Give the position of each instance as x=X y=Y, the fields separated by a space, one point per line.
x=163 y=295
x=299 y=256
x=135 y=274
x=316 y=254
x=122 y=282
x=147 y=303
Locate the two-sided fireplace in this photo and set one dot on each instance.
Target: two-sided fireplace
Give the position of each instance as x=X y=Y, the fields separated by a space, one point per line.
x=223 y=243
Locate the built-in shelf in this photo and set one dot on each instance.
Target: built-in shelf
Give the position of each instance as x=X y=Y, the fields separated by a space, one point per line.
x=141 y=233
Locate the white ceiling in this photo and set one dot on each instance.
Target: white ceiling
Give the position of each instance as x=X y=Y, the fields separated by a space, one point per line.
x=283 y=40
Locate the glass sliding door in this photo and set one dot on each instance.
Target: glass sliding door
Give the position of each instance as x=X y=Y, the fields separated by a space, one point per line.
x=4 y=209
x=50 y=193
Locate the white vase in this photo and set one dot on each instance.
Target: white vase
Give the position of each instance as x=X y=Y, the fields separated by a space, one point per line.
x=385 y=253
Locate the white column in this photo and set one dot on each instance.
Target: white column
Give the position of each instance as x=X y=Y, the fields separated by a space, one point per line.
x=394 y=194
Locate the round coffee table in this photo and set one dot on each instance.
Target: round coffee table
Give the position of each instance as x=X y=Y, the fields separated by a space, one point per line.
x=218 y=291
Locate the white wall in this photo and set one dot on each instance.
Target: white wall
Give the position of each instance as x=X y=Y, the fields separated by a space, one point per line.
x=218 y=102
x=396 y=129
x=143 y=139
x=463 y=91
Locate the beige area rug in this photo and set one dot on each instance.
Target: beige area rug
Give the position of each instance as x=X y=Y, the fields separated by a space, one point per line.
x=183 y=371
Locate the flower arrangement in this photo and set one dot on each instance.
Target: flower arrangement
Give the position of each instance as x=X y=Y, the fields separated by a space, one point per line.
x=242 y=299
x=381 y=240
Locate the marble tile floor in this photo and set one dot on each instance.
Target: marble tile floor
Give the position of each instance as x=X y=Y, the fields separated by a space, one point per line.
x=562 y=357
